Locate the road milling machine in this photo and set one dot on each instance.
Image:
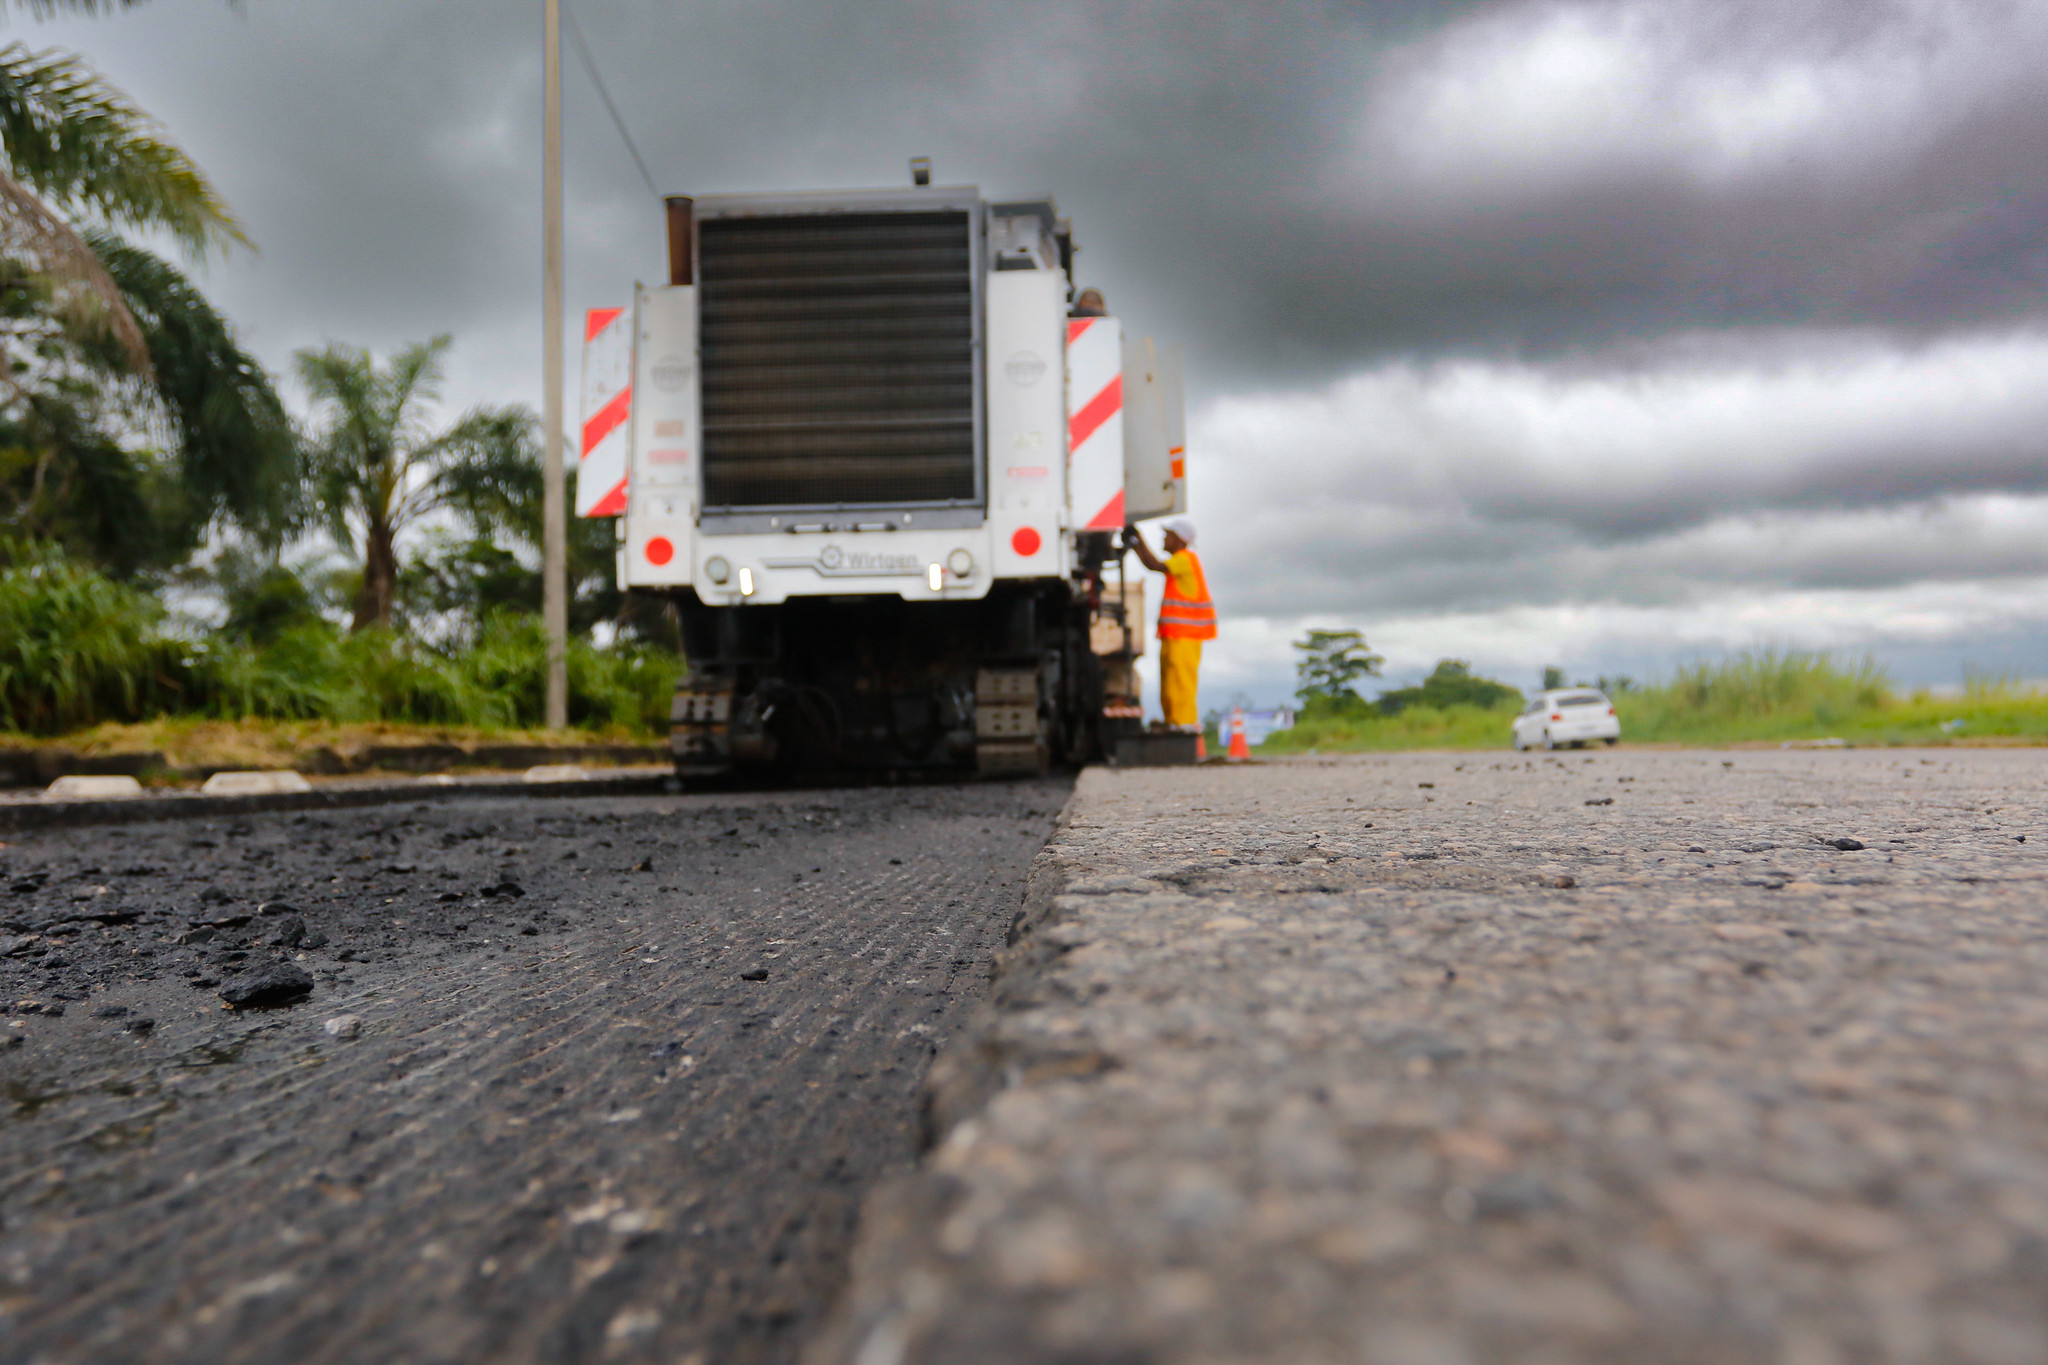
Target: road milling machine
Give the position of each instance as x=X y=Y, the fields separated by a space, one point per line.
x=859 y=443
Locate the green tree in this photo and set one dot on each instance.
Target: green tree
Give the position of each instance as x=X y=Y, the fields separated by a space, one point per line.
x=76 y=148
x=490 y=562
x=378 y=464
x=265 y=598
x=1450 y=683
x=228 y=437
x=130 y=418
x=1328 y=662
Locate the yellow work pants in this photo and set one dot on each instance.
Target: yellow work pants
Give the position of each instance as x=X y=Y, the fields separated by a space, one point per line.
x=1179 y=662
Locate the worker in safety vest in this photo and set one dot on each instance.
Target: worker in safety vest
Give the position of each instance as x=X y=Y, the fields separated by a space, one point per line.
x=1186 y=618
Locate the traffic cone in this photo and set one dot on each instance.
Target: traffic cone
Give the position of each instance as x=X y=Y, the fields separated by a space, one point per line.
x=1240 y=747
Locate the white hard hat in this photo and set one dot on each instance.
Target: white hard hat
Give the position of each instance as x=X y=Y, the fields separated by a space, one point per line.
x=1181 y=527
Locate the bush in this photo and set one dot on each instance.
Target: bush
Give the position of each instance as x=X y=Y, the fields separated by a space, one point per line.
x=1450 y=684
x=628 y=685
x=76 y=648
x=499 y=681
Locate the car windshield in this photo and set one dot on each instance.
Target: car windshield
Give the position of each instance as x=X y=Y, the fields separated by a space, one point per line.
x=1582 y=699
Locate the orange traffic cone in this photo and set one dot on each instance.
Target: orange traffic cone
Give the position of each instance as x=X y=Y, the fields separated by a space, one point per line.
x=1201 y=746
x=1240 y=747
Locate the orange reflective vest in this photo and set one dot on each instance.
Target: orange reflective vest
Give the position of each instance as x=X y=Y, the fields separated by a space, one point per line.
x=1187 y=618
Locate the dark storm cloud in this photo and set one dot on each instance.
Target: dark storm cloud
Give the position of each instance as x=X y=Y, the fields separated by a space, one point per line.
x=1422 y=565
x=1838 y=464
x=1297 y=187
x=386 y=153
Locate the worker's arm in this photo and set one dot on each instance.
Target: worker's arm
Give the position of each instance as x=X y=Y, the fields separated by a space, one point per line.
x=1136 y=544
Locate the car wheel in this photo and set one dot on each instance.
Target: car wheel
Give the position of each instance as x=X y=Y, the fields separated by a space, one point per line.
x=1614 y=741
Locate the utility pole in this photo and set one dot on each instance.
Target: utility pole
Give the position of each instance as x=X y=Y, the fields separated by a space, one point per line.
x=553 y=522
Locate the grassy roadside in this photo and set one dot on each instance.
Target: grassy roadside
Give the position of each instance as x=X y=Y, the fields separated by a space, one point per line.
x=196 y=742
x=1758 y=697
x=78 y=650
x=1417 y=727
x=1918 y=719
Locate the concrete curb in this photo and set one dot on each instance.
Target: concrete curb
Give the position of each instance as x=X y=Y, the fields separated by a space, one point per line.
x=19 y=817
x=39 y=767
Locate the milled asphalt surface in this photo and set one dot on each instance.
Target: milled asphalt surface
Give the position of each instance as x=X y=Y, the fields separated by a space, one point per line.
x=1461 y=1059
x=568 y=1127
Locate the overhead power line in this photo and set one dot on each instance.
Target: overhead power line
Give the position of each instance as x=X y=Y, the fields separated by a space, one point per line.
x=590 y=66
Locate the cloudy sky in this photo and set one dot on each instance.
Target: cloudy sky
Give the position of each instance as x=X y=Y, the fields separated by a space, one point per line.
x=1602 y=333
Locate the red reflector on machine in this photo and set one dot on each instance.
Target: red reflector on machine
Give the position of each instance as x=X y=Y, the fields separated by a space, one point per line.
x=1025 y=542
x=659 y=551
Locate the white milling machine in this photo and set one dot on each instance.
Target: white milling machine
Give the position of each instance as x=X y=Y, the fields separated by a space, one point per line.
x=860 y=444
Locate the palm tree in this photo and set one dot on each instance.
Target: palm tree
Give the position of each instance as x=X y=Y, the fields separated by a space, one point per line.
x=109 y=351
x=487 y=560
x=377 y=465
x=74 y=144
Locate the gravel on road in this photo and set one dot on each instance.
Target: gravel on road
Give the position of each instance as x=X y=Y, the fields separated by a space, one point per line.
x=1460 y=1059
x=497 y=1079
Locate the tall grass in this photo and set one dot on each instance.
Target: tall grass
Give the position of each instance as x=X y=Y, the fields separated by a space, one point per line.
x=499 y=680
x=1757 y=693
x=77 y=649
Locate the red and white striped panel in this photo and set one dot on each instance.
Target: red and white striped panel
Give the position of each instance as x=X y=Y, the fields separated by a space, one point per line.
x=607 y=403
x=1095 y=429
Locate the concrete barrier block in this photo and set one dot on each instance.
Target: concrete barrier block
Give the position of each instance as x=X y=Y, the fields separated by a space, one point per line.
x=556 y=772
x=275 y=782
x=86 y=787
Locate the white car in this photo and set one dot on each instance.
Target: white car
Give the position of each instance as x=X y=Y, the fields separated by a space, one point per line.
x=1568 y=717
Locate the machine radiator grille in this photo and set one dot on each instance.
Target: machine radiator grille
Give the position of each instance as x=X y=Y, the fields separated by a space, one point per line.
x=837 y=355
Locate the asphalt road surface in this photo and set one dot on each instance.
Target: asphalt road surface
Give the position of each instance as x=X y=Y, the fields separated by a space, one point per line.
x=1610 y=1058
x=580 y=1080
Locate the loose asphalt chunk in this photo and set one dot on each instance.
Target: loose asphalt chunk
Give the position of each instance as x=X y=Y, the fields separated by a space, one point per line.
x=282 y=984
